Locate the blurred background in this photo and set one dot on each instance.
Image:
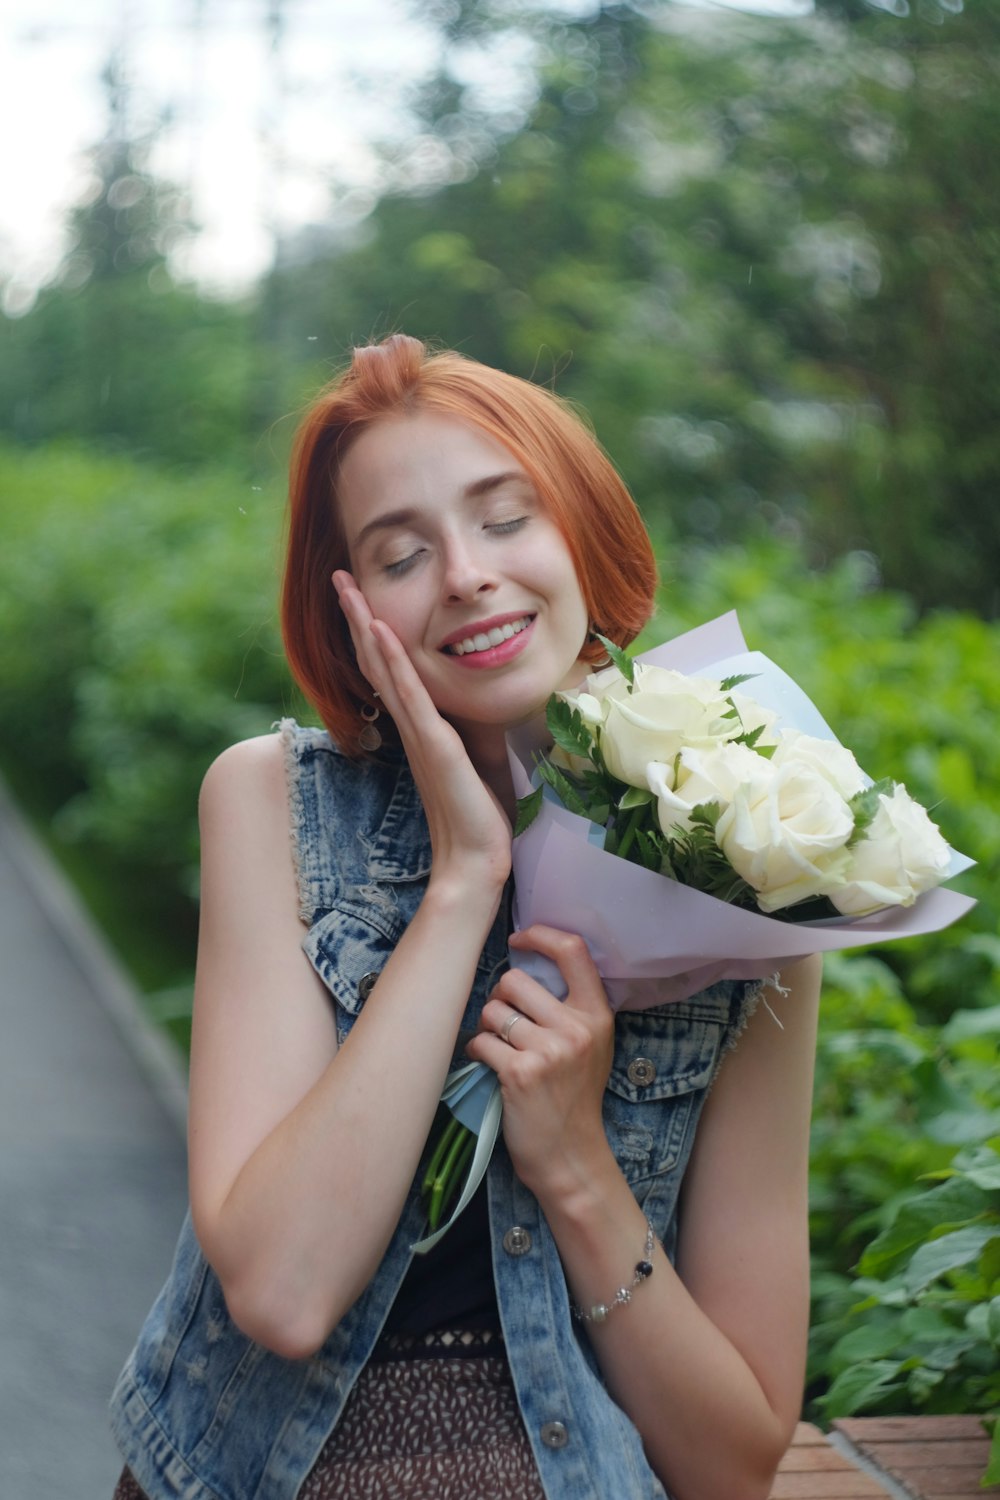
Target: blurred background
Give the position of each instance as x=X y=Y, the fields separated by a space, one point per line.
x=759 y=245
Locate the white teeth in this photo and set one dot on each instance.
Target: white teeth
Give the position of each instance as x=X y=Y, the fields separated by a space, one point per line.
x=494 y=637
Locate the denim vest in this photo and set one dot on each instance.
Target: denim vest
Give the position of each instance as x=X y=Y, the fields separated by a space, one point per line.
x=201 y=1412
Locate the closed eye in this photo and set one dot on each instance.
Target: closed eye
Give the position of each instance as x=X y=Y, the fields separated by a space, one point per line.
x=505 y=526
x=403 y=565
x=495 y=528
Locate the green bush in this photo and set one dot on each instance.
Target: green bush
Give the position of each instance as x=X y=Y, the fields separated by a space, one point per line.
x=137 y=638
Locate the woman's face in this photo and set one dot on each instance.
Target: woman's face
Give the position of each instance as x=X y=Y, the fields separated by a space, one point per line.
x=452 y=547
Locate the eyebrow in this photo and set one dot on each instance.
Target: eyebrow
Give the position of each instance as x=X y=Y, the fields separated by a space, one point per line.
x=407 y=514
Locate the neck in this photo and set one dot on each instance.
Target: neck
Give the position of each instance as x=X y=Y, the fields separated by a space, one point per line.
x=488 y=752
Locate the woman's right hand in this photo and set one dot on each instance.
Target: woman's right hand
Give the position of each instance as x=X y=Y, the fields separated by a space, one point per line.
x=470 y=832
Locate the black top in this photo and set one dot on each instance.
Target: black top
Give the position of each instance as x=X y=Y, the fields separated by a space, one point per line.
x=452 y=1285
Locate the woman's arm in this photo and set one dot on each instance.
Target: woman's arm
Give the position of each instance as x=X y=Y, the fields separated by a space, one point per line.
x=707 y=1360
x=301 y=1154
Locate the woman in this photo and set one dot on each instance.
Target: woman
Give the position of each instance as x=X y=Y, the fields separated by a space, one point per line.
x=456 y=537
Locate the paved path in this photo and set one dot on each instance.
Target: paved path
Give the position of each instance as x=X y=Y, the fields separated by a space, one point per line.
x=92 y=1180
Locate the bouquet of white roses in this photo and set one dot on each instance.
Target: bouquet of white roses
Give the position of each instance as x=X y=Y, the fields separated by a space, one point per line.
x=691 y=832
x=691 y=778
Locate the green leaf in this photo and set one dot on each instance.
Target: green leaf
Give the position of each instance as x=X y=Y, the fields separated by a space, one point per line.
x=949 y=1253
x=993 y=1320
x=965 y=1025
x=564 y=788
x=751 y=737
x=922 y=1382
x=624 y=663
x=953 y=1205
x=872 y=1340
x=861 y=1385
x=992 y=1475
x=865 y=804
x=650 y=850
x=927 y=1324
x=636 y=796
x=706 y=814
x=568 y=729
x=728 y=683
x=946 y=1356
x=990 y=1263
x=528 y=809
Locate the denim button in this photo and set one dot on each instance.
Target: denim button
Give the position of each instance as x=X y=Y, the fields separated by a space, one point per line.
x=554 y=1434
x=517 y=1241
x=365 y=985
x=641 y=1071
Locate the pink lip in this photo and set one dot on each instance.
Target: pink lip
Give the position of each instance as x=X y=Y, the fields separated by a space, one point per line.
x=482 y=627
x=493 y=656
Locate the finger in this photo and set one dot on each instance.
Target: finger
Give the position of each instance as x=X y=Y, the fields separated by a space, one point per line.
x=519 y=991
x=513 y=1019
x=490 y=1048
x=572 y=957
x=381 y=657
x=409 y=701
x=359 y=619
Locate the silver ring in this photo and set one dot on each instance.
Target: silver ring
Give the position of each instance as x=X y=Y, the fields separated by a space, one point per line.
x=509 y=1025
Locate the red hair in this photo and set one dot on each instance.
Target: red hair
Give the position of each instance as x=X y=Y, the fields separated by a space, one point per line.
x=574 y=478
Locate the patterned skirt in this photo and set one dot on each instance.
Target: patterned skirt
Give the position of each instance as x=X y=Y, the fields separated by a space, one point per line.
x=422 y=1429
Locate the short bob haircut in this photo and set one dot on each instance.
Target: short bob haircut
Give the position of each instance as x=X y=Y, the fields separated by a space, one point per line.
x=574 y=478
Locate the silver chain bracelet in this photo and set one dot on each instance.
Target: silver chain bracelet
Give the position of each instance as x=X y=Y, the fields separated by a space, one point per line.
x=623 y=1296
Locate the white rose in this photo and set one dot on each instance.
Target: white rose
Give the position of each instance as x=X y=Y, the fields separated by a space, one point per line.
x=701 y=776
x=590 y=709
x=784 y=832
x=665 y=712
x=901 y=855
x=752 y=715
x=601 y=687
x=826 y=757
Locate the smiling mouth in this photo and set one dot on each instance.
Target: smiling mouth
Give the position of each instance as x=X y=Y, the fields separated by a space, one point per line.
x=487 y=639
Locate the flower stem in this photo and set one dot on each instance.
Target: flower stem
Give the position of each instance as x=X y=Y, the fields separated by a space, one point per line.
x=628 y=837
x=449 y=1131
x=450 y=1171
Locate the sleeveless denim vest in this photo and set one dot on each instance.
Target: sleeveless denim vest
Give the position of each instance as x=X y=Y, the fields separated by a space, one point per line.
x=201 y=1412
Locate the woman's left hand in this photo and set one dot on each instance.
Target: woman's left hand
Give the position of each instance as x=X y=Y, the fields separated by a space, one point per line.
x=552 y=1058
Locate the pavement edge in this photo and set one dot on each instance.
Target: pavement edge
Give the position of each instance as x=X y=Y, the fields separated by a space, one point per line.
x=113 y=988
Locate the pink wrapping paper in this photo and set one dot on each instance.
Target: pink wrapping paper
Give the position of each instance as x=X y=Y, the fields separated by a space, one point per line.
x=641 y=926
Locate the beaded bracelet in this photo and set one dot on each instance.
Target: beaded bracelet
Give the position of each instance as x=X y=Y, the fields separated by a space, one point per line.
x=623 y=1296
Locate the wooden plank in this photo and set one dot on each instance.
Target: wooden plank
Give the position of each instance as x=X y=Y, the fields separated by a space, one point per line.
x=813 y=1470
x=807 y=1460
x=894 y=1429
x=933 y=1458
x=947 y=1454
x=956 y=1484
x=807 y=1434
x=847 y=1483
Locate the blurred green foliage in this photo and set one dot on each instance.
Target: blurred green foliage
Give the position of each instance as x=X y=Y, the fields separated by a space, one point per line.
x=764 y=255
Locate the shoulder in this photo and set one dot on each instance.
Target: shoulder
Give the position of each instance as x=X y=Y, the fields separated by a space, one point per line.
x=270 y=765
x=756 y=1119
x=249 y=775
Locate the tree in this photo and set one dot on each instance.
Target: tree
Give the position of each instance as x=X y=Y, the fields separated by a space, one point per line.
x=763 y=254
x=114 y=349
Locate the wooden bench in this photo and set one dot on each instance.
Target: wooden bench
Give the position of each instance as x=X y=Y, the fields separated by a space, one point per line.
x=868 y=1458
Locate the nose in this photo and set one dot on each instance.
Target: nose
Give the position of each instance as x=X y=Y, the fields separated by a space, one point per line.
x=466 y=571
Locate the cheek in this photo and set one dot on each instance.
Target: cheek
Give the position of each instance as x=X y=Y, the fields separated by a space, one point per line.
x=574 y=605
x=389 y=605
